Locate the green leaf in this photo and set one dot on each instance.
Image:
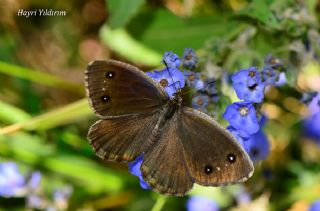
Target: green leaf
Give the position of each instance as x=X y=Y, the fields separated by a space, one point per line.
x=162 y=31
x=259 y=10
x=122 y=43
x=12 y=114
x=26 y=147
x=67 y=114
x=121 y=11
x=39 y=77
x=311 y=6
x=95 y=177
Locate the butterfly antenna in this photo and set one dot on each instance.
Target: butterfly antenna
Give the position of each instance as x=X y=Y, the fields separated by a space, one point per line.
x=165 y=63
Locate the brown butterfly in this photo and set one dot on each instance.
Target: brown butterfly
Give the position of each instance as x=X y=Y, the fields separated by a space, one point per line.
x=181 y=145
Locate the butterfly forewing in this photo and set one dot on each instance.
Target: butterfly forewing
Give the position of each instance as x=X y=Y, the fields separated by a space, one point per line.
x=115 y=88
x=212 y=156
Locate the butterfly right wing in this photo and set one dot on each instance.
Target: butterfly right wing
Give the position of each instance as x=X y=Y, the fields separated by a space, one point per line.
x=192 y=148
x=118 y=89
x=122 y=138
x=212 y=155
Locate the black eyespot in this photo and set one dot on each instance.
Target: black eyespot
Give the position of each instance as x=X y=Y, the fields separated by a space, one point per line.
x=105 y=98
x=231 y=158
x=110 y=74
x=208 y=169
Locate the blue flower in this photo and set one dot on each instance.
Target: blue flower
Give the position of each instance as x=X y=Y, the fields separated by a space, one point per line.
x=243 y=196
x=311 y=124
x=245 y=143
x=34 y=180
x=256 y=145
x=314 y=104
x=200 y=102
x=199 y=203
x=242 y=116
x=259 y=146
x=315 y=206
x=189 y=58
x=211 y=90
x=307 y=97
x=270 y=75
x=11 y=181
x=248 y=86
x=193 y=80
x=171 y=79
x=134 y=168
x=311 y=127
x=281 y=80
x=171 y=60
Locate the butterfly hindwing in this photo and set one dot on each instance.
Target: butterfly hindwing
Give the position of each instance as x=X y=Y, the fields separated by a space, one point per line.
x=212 y=156
x=115 y=88
x=192 y=147
x=122 y=139
x=163 y=167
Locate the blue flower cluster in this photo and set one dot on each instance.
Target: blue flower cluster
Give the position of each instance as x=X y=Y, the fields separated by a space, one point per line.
x=249 y=134
x=200 y=203
x=311 y=124
x=249 y=85
x=271 y=72
x=58 y=201
x=14 y=184
x=181 y=71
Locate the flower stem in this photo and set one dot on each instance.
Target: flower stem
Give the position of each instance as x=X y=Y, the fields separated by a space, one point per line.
x=161 y=200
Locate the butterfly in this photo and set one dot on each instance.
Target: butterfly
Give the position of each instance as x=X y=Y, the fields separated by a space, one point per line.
x=181 y=145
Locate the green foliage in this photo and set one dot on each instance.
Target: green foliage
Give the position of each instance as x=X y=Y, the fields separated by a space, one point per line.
x=38 y=77
x=167 y=31
x=121 y=42
x=121 y=11
x=259 y=10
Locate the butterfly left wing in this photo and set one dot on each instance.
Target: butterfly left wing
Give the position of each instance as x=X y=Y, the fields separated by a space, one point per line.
x=122 y=138
x=117 y=89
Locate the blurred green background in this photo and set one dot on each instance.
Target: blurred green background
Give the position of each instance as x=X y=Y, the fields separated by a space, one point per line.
x=44 y=115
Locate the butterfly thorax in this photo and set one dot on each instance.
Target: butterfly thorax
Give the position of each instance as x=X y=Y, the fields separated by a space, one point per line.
x=173 y=105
